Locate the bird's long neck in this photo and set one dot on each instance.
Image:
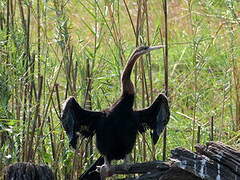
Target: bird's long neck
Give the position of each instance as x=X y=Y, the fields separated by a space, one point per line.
x=127 y=85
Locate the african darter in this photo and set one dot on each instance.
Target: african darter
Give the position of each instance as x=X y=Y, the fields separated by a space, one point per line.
x=116 y=128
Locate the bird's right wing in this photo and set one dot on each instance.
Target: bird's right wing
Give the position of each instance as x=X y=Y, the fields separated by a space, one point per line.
x=78 y=121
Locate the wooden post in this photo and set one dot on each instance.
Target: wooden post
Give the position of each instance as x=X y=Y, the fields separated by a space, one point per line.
x=26 y=170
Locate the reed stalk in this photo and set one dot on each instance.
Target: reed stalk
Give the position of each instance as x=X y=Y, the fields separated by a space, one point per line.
x=50 y=50
x=165 y=9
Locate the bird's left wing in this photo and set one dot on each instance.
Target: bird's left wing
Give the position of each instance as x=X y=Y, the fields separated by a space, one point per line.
x=155 y=117
x=78 y=121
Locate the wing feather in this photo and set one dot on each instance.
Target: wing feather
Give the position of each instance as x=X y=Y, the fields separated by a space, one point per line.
x=155 y=117
x=76 y=120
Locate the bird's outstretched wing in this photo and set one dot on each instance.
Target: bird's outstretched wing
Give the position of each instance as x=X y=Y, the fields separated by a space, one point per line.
x=78 y=121
x=155 y=117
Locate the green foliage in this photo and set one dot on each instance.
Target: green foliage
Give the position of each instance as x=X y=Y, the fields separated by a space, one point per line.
x=79 y=48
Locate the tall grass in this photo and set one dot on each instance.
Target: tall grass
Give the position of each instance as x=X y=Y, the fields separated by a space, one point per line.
x=50 y=50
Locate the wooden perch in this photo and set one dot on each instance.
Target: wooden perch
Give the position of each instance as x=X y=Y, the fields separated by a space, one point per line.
x=139 y=167
x=222 y=154
x=212 y=161
x=150 y=170
x=172 y=173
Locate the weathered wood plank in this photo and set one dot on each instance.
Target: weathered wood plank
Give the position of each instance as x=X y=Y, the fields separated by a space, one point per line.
x=202 y=166
x=222 y=154
x=213 y=161
x=173 y=173
x=145 y=167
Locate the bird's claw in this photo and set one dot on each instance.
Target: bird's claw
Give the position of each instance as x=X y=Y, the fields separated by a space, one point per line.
x=104 y=171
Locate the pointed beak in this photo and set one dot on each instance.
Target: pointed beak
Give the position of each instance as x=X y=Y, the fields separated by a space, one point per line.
x=151 y=48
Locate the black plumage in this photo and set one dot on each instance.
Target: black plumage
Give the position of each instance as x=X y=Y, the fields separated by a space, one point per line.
x=116 y=128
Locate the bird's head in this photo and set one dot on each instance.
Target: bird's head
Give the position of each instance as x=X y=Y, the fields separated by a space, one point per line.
x=145 y=49
x=127 y=85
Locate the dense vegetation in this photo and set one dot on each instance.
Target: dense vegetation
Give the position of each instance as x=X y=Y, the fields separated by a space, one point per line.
x=50 y=50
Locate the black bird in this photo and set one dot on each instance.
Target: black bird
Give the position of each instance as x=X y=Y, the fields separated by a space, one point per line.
x=116 y=128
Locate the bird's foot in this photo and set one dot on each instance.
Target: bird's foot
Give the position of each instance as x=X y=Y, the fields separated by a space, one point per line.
x=104 y=171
